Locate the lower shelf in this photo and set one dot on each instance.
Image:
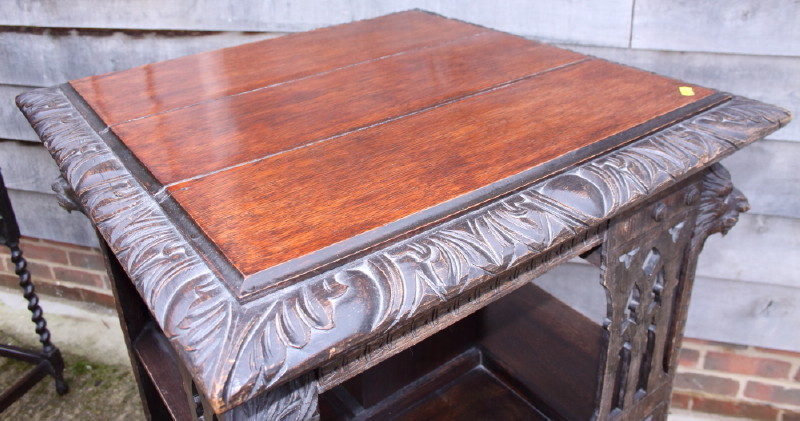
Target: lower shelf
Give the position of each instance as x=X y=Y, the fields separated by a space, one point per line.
x=158 y=360
x=458 y=401
x=527 y=356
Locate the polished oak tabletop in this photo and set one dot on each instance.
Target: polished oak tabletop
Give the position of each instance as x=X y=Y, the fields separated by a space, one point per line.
x=293 y=154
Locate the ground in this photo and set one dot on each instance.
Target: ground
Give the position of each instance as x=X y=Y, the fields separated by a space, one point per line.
x=97 y=370
x=97 y=391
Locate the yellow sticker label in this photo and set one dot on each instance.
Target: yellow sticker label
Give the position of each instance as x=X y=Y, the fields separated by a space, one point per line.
x=686 y=90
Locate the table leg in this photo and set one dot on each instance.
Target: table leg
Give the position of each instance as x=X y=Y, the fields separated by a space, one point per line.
x=134 y=319
x=648 y=260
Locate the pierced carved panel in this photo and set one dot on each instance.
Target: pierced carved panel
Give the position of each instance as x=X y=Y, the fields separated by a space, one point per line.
x=643 y=254
x=648 y=274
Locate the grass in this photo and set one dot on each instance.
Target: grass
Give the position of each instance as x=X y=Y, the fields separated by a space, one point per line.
x=97 y=391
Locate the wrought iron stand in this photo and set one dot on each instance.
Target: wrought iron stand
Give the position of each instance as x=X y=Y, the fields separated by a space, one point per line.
x=48 y=361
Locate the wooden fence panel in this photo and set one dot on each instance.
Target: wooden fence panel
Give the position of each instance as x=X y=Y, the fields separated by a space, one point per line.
x=762 y=27
x=579 y=21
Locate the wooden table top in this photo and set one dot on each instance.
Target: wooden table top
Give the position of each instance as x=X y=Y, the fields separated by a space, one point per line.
x=293 y=154
x=290 y=205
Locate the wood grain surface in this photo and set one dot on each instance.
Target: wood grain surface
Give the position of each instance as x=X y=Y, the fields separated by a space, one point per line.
x=294 y=203
x=159 y=87
x=197 y=140
x=300 y=151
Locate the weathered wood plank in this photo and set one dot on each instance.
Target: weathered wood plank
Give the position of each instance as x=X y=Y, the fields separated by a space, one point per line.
x=27 y=166
x=760 y=249
x=45 y=57
x=12 y=124
x=579 y=21
x=768 y=27
x=40 y=216
x=721 y=309
x=745 y=313
x=766 y=78
x=768 y=172
x=756 y=251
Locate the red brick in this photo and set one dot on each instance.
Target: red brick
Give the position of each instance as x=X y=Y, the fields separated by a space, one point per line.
x=688 y=357
x=105 y=300
x=790 y=416
x=87 y=260
x=747 y=410
x=733 y=363
x=9 y=281
x=42 y=251
x=70 y=292
x=78 y=276
x=705 y=383
x=39 y=271
x=53 y=243
x=25 y=241
x=778 y=352
x=697 y=341
x=715 y=343
x=680 y=400
x=106 y=282
x=772 y=393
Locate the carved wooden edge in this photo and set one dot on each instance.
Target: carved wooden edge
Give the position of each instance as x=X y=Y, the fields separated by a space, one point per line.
x=339 y=370
x=236 y=351
x=295 y=400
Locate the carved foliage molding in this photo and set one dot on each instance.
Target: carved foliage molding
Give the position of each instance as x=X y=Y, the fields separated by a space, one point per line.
x=295 y=400
x=236 y=350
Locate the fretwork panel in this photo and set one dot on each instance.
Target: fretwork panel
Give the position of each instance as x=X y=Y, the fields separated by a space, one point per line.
x=644 y=255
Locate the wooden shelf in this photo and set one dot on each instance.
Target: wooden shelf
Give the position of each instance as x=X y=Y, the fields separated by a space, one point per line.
x=528 y=356
x=162 y=366
x=549 y=352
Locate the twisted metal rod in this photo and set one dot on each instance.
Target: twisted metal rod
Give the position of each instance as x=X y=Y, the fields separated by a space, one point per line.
x=28 y=291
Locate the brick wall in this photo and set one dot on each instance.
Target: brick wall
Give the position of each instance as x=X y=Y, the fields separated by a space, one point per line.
x=61 y=269
x=735 y=380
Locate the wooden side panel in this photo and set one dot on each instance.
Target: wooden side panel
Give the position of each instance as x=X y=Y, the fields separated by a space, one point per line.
x=50 y=56
x=583 y=21
x=40 y=216
x=768 y=172
x=301 y=201
x=746 y=313
x=742 y=26
x=159 y=87
x=759 y=253
x=12 y=123
x=27 y=166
